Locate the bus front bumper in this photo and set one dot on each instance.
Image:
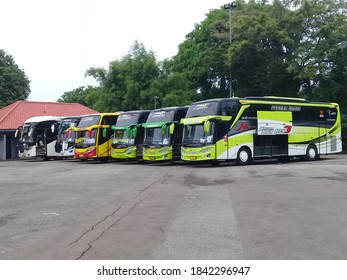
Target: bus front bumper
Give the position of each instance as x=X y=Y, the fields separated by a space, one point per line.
x=197 y=153
x=124 y=153
x=157 y=154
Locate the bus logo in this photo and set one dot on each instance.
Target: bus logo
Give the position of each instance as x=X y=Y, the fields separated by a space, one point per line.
x=243 y=126
x=272 y=130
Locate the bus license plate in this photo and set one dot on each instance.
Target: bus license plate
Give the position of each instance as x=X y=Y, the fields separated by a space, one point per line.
x=152 y=158
x=193 y=158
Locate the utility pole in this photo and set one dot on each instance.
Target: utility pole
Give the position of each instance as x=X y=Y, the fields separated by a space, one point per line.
x=229 y=7
x=155 y=101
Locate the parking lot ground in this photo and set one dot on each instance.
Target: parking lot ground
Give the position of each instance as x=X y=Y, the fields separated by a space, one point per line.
x=68 y=209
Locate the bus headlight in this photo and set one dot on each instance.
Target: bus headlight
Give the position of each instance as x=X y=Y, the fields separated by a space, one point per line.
x=164 y=151
x=129 y=151
x=206 y=150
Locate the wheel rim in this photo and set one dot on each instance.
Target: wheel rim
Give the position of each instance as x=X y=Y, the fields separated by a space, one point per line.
x=312 y=153
x=243 y=156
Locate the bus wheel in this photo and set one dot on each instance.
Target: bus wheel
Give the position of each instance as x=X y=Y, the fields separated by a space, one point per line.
x=311 y=153
x=243 y=156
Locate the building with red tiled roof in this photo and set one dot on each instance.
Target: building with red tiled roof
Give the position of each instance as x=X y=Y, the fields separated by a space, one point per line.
x=13 y=116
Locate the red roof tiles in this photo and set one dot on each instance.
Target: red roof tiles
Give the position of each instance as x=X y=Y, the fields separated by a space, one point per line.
x=12 y=116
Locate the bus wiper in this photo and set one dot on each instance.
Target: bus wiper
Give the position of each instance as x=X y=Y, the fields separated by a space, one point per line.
x=192 y=144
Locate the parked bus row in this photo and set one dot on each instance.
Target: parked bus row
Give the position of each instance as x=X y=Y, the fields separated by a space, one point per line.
x=215 y=130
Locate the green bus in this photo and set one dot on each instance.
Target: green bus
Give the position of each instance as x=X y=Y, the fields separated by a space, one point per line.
x=163 y=134
x=243 y=129
x=128 y=135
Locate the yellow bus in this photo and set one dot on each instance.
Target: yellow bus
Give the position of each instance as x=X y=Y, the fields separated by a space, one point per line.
x=94 y=136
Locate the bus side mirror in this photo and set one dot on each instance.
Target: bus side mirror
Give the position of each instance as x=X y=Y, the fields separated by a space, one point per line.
x=104 y=132
x=207 y=126
x=172 y=128
x=67 y=133
x=30 y=132
x=164 y=129
x=16 y=133
x=127 y=130
x=134 y=132
x=52 y=128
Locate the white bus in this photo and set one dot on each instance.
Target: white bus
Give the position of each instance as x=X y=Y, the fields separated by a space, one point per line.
x=66 y=137
x=37 y=138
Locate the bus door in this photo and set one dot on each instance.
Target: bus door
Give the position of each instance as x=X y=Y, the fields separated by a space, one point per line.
x=140 y=131
x=273 y=129
x=41 y=141
x=176 y=140
x=323 y=137
x=222 y=144
x=103 y=145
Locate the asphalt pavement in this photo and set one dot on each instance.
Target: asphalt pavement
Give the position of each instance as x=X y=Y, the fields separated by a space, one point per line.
x=68 y=209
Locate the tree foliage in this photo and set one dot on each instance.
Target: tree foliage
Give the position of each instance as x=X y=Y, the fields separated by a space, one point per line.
x=202 y=56
x=124 y=81
x=77 y=95
x=286 y=47
x=14 y=84
x=261 y=51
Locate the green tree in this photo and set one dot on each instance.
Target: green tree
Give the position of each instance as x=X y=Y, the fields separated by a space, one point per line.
x=124 y=81
x=14 y=84
x=77 y=95
x=261 y=50
x=171 y=90
x=202 y=56
x=320 y=55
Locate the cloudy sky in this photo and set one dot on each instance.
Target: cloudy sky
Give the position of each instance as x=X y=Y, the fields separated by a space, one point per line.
x=55 y=42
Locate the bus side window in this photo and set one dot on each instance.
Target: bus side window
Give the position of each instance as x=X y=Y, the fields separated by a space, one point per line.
x=224 y=108
x=249 y=113
x=109 y=120
x=222 y=130
x=230 y=108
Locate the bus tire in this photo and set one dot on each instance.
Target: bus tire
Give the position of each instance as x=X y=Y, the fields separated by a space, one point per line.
x=311 y=153
x=244 y=156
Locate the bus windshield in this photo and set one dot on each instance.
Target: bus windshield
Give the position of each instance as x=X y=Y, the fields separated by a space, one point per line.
x=86 y=138
x=127 y=119
x=64 y=125
x=89 y=121
x=161 y=116
x=123 y=138
x=203 y=109
x=28 y=132
x=155 y=136
x=71 y=138
x=195 y=136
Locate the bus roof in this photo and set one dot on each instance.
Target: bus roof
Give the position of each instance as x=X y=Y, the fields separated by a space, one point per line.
x=104 y=114
x=277 y=99
x=135 y=112
x=42 y=119
x=72 y=117
x=216 y=100
x=170 y=108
